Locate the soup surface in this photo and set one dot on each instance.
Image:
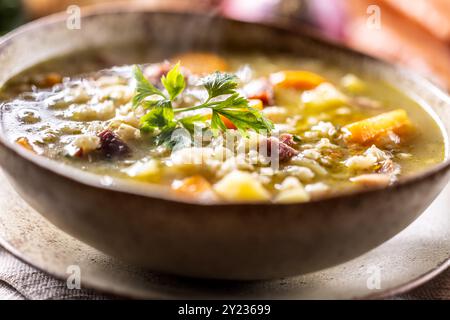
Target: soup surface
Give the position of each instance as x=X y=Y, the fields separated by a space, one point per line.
x=238 y=127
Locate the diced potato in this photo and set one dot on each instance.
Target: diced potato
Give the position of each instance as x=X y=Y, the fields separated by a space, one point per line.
x=241 y=186
x=317 y=190
x=292 y=191
x=195 y=186
x=86 y=143
x=372 y=180
x=256 y=104
x=292 y=196
x=25 y=143
x=324 y=97
x=201 y=63
x=143 y=170
x=275 y=114
x=127 y=132
x=353 y=84
x=374 y=129
x=296 y=79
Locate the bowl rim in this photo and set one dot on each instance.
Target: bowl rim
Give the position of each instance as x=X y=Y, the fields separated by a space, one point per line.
x=159 y=192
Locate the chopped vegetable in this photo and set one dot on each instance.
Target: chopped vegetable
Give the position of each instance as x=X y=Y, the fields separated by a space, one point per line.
x=194 y=186
x=292 y=191
x=373 y=129
x=147 y=169
x=372 y=180
x=202 y=63
x=353 y=84
x=241 y=186
x=256 y=104
x=296 y=79
x=25 y=143
x=260 y=89
x=324 y=97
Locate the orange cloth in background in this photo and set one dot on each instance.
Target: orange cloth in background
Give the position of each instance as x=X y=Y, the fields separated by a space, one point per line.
x=420 y=43
x=415 y=33
x=433 y=15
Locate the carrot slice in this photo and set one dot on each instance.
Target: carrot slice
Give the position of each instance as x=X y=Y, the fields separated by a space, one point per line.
x=201 y=62
x=296 y=79
x=25 y=143
x=192 y=186
x=373 y=129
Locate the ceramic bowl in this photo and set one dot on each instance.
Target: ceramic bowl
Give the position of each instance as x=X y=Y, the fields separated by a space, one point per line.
x=146 y=227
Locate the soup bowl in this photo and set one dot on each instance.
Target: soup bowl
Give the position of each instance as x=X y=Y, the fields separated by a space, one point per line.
x=241 y=241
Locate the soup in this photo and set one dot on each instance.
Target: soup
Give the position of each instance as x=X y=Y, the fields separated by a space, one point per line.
x=232 y=128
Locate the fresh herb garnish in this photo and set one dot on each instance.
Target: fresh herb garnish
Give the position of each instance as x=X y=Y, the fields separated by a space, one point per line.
x=223 y=100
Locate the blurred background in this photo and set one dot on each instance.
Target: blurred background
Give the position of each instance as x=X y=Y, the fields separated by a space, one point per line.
x=414 y=33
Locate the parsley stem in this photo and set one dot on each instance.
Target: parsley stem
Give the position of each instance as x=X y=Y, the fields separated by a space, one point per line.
x=201 y=106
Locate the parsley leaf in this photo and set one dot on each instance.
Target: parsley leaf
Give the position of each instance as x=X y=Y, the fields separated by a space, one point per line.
x=236 y=109
x=144 y=88
x=160 y=116
x=219 y=83
x=174 y=82
x=189 y=122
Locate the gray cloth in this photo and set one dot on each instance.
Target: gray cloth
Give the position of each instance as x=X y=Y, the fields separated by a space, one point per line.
x=20 y=281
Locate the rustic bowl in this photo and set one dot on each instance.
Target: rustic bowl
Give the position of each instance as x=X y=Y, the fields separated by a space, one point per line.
x=147 y=227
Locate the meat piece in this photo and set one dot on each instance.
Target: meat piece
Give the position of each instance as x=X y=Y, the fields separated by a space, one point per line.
x=285 y=152
x=288 y=139
x=111 y=145
x=260 y=89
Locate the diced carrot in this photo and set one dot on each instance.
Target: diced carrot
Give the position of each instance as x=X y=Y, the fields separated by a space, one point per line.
x=296 y=79
x=25 y=143
x=192 y=186
x=373 y=129
x=260 y=89
x=201 y=62
x=227 y=123
x=53 y=78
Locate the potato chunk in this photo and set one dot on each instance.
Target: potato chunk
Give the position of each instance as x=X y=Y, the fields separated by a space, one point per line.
x=147 y=169
x=292 y=191
x=241 y=186
x=325 y=96
x=374 y=129
x=296 y=79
